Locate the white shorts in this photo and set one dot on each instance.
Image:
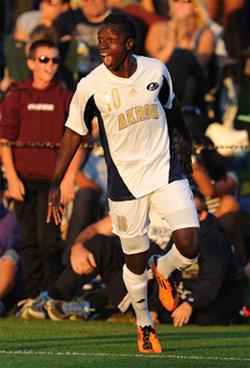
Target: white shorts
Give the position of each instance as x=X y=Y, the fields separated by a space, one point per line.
x=174 y=203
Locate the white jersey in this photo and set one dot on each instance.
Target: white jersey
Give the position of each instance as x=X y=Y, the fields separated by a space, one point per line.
x=133 y=126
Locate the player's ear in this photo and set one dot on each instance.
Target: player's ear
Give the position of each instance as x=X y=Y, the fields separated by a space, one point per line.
x=130 y=44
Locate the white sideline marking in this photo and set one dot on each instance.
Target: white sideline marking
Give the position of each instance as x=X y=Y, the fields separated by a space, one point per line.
x=158 y=356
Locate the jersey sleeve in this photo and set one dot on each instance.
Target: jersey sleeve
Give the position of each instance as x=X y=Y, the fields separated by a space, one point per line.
x=167 y=93
x=75 y=120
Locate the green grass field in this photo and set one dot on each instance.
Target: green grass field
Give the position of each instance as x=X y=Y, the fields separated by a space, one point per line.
x=94 y=344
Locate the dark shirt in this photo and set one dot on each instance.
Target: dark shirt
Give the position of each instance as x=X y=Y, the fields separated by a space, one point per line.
x=187 y=77
x=217 y=267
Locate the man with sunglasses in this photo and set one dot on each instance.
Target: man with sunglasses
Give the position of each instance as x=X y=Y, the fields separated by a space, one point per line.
x=32 y=118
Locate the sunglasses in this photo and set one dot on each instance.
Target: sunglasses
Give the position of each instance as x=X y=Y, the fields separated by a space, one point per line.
x=45 y=60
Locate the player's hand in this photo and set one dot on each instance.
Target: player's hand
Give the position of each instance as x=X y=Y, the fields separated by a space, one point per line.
x=55 y=210
x=15 y=189
x=82 y=260
x=182 y=314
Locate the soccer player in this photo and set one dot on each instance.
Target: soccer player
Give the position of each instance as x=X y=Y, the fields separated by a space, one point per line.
x=133 y=100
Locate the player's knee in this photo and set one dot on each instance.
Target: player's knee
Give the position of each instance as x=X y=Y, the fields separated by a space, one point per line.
x=136 y=263
x=187 y=241
x=135 y=250
x=135 y=245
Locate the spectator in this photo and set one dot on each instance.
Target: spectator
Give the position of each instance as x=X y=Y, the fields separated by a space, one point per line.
x=188 y=28
x=33 y=113
x=233 y=15
x=186 y=43
x=219 y=186
x=29 y=27
x=137 y=9
x=212 y=290
x=219 y=10
x=96 y=251
x=12 y=286
x=48 y=11
x=244 y=93
x=78 y=29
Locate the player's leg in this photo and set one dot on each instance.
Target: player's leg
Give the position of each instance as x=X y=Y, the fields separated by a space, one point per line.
x=175 y=204
x=136 y=281
x=130 y=224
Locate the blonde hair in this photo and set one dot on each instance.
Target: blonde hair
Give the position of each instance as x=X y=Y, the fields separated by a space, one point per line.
x=202 y=17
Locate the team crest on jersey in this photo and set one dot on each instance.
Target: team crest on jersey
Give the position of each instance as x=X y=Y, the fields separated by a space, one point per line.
x=152 y=86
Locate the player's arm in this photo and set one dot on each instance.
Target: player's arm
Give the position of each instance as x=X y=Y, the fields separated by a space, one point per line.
x=69 y=145
x=103 y=227
x=176 y=120
x=67 y=186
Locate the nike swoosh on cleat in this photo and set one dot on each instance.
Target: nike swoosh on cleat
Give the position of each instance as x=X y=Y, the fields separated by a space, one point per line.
x=141 y=301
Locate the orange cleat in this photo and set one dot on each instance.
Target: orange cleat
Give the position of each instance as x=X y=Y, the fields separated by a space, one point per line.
x=168 y=294
x=148 y=341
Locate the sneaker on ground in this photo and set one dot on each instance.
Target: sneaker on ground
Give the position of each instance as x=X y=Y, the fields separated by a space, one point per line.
x=147 y=340
x=58 y=310
x=37 y=312
x=33 y=308
x=168 y=294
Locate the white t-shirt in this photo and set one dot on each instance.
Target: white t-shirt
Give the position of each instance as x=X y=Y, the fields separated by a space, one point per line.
x=27 y=21
x=133 y=126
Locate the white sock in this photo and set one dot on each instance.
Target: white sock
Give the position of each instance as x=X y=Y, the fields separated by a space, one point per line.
x=173 y=260
x=137 y=286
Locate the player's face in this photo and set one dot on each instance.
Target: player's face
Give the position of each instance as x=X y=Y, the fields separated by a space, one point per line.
x=114 y=49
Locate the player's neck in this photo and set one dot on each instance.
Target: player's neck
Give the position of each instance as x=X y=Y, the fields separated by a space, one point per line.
x=132 y=66
x=127 y=69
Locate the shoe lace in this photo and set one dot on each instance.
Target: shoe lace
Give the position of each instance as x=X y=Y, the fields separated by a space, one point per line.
x=146 y=334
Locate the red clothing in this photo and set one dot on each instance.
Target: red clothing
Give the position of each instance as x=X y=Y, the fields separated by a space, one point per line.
x=33 y=115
